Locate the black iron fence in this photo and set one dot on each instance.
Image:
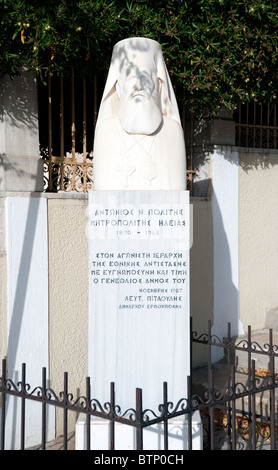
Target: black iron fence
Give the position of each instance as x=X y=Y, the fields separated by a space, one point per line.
x=235 y=400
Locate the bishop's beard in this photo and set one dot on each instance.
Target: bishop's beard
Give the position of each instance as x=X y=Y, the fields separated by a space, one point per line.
x=139 y=116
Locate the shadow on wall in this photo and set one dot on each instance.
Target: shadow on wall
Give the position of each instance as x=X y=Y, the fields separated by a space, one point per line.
x=19 y=138
x=17 y=99
x=214 y=287
x=27 y=261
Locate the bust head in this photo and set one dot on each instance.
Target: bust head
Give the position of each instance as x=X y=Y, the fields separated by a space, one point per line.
x=139 y=142
x=138 y=89
x=137 y=85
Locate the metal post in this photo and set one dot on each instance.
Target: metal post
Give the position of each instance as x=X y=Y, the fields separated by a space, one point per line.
x=43 y=408
x=65 y=424
x=272 y=392
x=165 y=404
x=139 y=419
x=3 y=413
x=112 y=423
x=88 y=416
x=23 y=384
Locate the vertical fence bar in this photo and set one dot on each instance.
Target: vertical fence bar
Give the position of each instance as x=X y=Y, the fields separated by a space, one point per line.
x=43 y=408
x=249 y=342
x=229 y=369
x=112 y=423
x=84 y=94
x=49 y=93
x=62 y=145
x=23 y=380
x=261 y=129
x=65 y=421
x=239 y=126
x=253 y=409
x=139 y=419
x=62 y=139
x=268 y=123
x=254 y=122
x=247 y=125
x=272 y=392
x=191 y=152
x=95 y=100
x=165 y=403
x=275 y=128
x=189 y=414
x=72 y=115
x=211 y=387
x=3 y=413
x=233 y=420
x=88 y=416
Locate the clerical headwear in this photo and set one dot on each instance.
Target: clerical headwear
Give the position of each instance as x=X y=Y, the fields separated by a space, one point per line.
x=137 y=53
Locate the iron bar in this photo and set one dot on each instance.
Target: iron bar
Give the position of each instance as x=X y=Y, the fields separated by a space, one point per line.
x=139 y=419
x=249 y=342
x=165 y=403
x=88 y=416
x=84 y=94
x=49 y=91
x=112 y=422
x=3 y=408
x=65 y=423
x=272 y=392
x=73 y=115
x=233 y=419
x=229 y=369
x=95 y=104
x=62 y=131
x=189 y=427
x=43 y=408
x=253 y=408
x=23 y=385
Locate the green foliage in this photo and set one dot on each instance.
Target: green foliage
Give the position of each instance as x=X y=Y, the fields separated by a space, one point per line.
x=218 y=52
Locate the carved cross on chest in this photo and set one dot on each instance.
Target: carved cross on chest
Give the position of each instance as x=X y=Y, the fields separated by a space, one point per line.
x=125 y=171
x=126 y=168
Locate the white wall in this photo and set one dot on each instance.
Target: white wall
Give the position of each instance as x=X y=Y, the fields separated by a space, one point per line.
x=27 y=265
x=225 y=241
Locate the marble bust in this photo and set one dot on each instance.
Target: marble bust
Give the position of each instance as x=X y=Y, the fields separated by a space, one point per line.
x=139 y=141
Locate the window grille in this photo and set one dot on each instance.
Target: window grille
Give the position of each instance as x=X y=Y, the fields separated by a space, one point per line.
x=256 y=125
x=66 y=132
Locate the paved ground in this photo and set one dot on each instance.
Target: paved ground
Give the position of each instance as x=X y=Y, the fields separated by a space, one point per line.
x=58 y=444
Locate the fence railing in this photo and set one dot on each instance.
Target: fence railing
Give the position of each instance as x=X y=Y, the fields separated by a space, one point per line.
x=256 y=125
x=232 y=417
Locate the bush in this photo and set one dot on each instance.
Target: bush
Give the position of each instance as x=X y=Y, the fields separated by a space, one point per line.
x=218 y=52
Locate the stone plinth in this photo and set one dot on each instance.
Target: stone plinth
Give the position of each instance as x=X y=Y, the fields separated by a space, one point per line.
x=139 y=294
x=139 y=297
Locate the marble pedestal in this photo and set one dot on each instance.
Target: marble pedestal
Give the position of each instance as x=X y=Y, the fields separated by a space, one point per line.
x=139 y=295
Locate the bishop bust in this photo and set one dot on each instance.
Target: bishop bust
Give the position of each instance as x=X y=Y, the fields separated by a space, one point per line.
x=139 y=142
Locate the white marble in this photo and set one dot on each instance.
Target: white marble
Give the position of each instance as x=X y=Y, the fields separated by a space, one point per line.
x=139 y=294
x=139 y=142
x=27 y=261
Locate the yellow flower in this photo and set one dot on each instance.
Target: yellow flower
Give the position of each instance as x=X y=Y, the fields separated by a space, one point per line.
x=207 y=48
x=23 y=37
x=52 y=57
